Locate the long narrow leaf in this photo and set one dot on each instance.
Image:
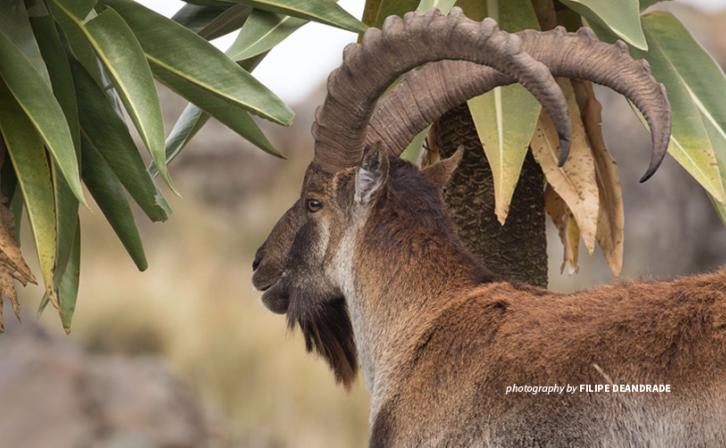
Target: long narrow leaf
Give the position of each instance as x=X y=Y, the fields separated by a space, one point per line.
x=240 y=121
x=690 y=143
x=506 y=118
x=622 y=17
x=323 y=11
x=28 y=157
x=174 y=49
x=123 y=57
x=39 y=104
x=196 y=17
x=702 y=76
x=192 y=119
x=442 y=5
x=394 y=7
x=108 y=192
x=229 y=20
x=262 y=31
x=15 y=23
x=54 y=54
x=370 y=11
x=68 y=282
x=74 y=35
x=105 y=131
x=645 y=4
x=217 y=3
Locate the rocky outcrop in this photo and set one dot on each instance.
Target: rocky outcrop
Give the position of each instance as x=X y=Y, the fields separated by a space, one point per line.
x=54 y=394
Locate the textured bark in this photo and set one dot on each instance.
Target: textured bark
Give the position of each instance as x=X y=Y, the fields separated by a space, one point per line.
x=517 y=250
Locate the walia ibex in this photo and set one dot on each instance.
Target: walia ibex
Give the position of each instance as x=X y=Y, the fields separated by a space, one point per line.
x=369 y=266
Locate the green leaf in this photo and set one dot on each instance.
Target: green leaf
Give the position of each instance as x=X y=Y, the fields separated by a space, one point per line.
x=182 y=54
x=66 y=204
x=239 y=121
x=108 y=192
x=700 y=73
x=645 y=4
x=209 y=2
x=720 y=209
x=622 y=17
x=67 y=281
x=442 y=5
x=506 y=118
x=474 y=9
x=123 y=57
x=693 y=145
x=8 y=179
x=124 y=60
x=104 y=130
x=40 y=105
x=77 y=40
x=56 y=58
x=323 y=11
x=196 y=17
x=14 y=22
x=262 y=31
x=370 y=11
x=393 y=7
x=29 y=159
x=231 y=19
x=192 y=119
x=413 y=150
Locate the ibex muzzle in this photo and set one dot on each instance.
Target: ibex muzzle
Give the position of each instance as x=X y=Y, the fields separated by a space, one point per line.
x=369 y=265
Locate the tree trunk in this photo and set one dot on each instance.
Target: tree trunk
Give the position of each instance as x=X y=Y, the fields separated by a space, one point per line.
x=518 y=249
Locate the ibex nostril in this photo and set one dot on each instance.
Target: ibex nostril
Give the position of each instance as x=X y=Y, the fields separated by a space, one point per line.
x=256 y=262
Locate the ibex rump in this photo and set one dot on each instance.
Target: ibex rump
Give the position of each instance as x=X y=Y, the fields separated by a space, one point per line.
x=368 y=264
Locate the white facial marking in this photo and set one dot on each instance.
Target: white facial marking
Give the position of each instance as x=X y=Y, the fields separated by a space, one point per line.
x=344 y=275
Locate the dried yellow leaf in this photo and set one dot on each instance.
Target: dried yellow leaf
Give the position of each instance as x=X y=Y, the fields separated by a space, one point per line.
x=611 y=217
x=12 y=264
x=567 y=229
x=575 y=182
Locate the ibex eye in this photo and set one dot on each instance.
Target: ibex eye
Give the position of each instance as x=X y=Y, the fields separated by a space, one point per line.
x=314 y=205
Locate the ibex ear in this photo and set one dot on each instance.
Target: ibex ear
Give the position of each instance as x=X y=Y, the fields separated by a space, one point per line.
x=440 y=172
x=372 y=174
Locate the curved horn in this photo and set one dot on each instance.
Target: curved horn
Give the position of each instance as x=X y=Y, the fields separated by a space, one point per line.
x=423 y=95
x=403 y=44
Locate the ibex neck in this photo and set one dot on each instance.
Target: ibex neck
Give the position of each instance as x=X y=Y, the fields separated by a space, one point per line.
x=396 y=280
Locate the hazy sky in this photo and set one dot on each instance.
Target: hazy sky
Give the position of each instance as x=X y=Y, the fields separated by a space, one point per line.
x=298 y=64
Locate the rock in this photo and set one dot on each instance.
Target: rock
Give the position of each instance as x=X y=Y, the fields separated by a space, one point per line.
x=54 y=394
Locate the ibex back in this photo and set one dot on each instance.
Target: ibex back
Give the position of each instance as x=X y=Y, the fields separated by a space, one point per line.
x=369 y=265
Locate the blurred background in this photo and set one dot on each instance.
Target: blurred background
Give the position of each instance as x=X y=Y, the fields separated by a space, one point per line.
x=185 y=354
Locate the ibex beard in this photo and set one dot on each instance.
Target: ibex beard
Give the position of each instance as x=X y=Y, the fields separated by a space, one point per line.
x=368 y=264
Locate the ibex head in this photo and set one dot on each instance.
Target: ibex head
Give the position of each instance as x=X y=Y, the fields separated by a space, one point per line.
x=358 y=139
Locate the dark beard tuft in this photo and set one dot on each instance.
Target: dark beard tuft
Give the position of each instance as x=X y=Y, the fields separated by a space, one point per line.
x=327 y=329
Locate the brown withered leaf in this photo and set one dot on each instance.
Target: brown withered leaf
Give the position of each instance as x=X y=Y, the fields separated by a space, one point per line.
x=611 y=217
x=567 y=229
x=12 y=263
x=10 y=255
x=575 y=182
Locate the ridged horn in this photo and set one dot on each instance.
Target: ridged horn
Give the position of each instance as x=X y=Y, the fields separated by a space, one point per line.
x=403 y=44
x=423 y=95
